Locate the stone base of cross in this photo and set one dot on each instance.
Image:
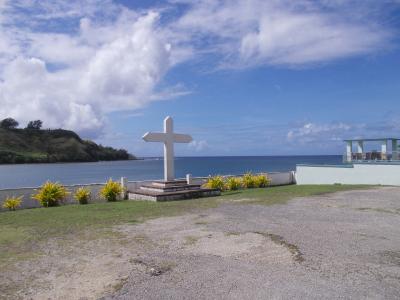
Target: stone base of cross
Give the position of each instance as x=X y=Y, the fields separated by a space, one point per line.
x=168 y=137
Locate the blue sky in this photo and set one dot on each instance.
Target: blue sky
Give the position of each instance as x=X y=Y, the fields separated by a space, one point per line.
x=242 y=77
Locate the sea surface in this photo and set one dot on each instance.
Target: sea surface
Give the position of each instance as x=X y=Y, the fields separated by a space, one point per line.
x=33 y=175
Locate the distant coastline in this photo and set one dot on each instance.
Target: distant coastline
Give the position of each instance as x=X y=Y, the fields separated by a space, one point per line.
x=33 y=146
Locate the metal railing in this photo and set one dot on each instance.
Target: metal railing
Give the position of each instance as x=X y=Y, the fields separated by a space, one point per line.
x=373 y=156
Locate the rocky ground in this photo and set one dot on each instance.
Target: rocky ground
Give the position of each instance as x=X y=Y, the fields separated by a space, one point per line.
x=337 y=246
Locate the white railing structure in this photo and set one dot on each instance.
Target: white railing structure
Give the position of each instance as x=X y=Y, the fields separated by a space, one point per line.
x=360 y=155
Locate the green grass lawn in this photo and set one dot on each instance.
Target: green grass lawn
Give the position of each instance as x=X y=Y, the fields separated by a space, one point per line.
x=282 y=194
x=22 y=230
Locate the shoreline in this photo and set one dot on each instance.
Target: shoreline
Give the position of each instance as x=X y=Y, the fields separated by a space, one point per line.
x=145 y=168
x=66 y=162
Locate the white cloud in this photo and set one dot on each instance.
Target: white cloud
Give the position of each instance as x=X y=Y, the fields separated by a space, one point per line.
x=125 y=71
x=114 y=72
x=31 y=92
x=33 y=12
x=330 y=136
x=60 y=49
x=8 y=43
x=313 y=132
x=70 y=63
x=292 y=38
x=198 y=146
x=256 y=32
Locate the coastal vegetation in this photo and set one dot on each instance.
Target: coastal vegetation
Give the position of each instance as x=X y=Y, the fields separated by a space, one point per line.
x=247 y=181
x=51 y=194
x=233 y=183
x=111 y=191
x=82 y=195
x=216 y=182
x=36 y=145
x=12 y=203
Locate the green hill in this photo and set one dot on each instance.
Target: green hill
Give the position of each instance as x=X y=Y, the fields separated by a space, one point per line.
x=49 y=146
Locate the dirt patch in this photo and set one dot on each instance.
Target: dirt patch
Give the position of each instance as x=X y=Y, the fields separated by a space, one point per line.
x=381 y=210
x=219 y=244
x=71 y=269
x=89 y=267
x=153 y=268
x=293 y=249
x=185 y=235
x=391 y=257
x=190 y=240
x=247 y=246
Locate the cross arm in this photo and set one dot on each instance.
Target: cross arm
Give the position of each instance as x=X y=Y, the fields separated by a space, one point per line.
x=154 y=137
x=182 y=138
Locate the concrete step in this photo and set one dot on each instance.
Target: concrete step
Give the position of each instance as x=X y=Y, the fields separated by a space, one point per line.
x=171 y=196
x=170 y=188
x=162 y=183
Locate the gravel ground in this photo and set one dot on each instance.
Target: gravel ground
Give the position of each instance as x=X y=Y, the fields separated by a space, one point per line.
x=337 y=246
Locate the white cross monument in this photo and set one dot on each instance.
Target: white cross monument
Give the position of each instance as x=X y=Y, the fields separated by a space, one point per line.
x=168 y=137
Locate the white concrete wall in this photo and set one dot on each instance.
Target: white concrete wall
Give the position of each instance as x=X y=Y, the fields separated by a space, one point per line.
x=27 y=193
x=277 y=178
x=282 y=178
x=384 y=174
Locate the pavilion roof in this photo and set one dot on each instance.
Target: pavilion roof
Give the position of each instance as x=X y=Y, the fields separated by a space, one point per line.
x=372 y=140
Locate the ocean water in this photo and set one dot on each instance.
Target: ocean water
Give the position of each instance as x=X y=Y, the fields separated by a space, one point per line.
x=32 y=175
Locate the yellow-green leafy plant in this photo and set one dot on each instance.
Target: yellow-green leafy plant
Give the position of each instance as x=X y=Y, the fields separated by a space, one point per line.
x=111 y=191
x=82 y=195
x=233 y=183
x=216 y=182
x=51 y=194
x=261 y=180
x=12 y=203
x=248 y=180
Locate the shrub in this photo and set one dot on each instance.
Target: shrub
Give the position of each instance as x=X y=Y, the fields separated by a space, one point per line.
x=261 y=181
x=12 y=203
x=35 y=125
x=216 y=182
x=82 y=195
x=51 y=194
x=233 y=183
x=248 y=180
x=111 y=191
x=9 y=123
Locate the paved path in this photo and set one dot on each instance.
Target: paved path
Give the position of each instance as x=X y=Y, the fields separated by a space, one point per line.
x=338 y=246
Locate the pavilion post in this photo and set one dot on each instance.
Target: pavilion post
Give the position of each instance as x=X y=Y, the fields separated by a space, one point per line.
x=349 y=146
x=395 y=147
x=384 y=150
x=360 y=149
x=360 y=146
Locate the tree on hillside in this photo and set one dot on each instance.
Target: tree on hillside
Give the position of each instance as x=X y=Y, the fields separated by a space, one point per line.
x=36 y=125
x=9 y=123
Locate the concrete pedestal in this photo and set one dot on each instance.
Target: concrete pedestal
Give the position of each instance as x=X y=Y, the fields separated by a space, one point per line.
x=170 y=191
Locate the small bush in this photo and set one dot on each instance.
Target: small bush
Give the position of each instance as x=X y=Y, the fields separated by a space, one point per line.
x=249 y=181
x=12 y=203
x=261 y=181
x=82 y=195
x=111 y=191
x=216 y=182
x=51 y=194
x=233 y=183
